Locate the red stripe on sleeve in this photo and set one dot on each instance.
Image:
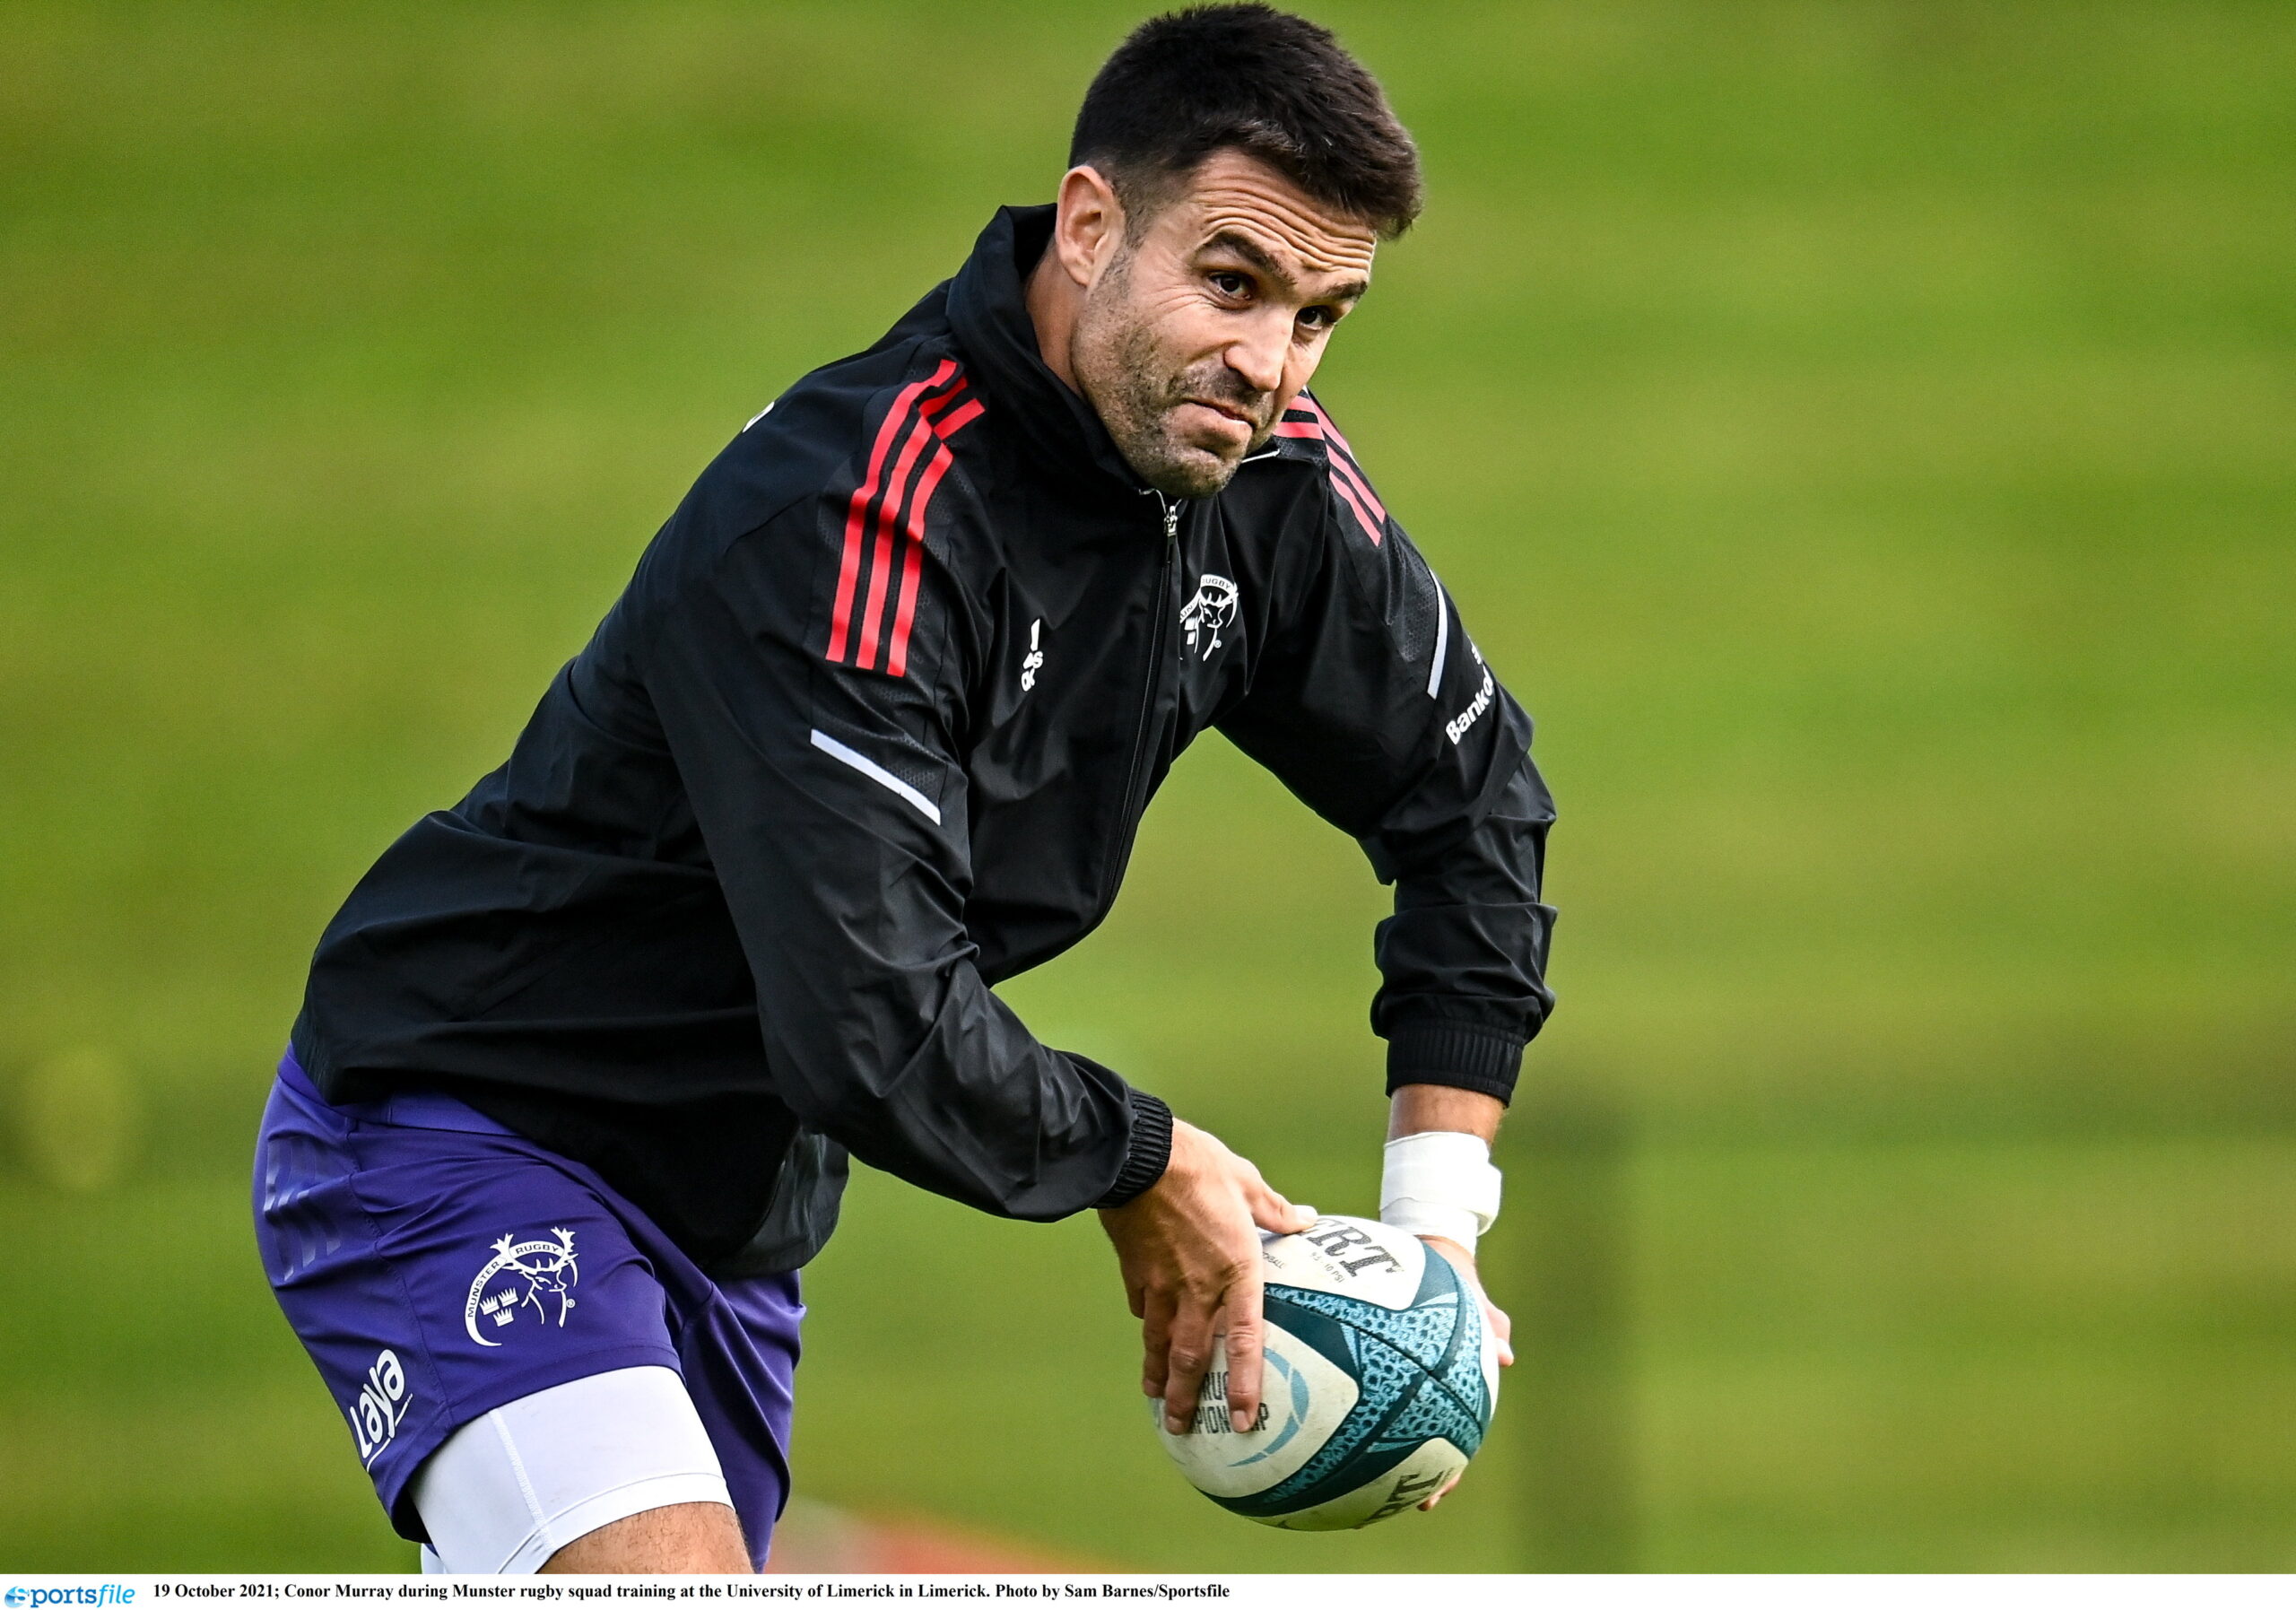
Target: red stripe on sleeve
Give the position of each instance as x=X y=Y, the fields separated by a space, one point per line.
x=913 y=561
x=1346 y=462
x=880 y=569
x=958 y=420
x=856 y=516
x=913 y=556
x=1349 y=476
x=1362 y=516
x=1346 y=479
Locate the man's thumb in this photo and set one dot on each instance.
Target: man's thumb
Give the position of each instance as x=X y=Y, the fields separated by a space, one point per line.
x=1271 y=1211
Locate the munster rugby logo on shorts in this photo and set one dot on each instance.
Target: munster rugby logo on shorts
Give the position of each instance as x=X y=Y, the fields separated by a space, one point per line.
x=1213 y=607
x=521 y=1276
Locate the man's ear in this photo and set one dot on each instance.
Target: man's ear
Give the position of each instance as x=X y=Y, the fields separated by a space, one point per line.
x=1089 y=227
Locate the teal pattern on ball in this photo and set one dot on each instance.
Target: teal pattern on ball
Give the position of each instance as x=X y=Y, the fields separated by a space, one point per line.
x=1418 y=1372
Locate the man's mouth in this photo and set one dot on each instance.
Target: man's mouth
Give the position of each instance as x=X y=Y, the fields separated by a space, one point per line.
x=1227 y=412
x=1232 y=412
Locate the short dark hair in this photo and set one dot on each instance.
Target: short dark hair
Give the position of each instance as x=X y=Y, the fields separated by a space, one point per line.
x=1253 y=80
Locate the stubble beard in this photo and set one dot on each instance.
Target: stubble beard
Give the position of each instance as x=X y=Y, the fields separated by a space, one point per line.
x=1130 y=385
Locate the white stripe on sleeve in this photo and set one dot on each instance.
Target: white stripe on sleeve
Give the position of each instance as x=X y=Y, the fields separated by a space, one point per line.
x=875 y=773
x=1442 y=641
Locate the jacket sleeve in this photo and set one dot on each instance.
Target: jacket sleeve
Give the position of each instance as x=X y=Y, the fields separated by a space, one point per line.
x=833 y=805
x=1372 y=704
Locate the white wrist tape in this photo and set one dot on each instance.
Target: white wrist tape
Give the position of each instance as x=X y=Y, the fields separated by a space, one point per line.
x=1439 y=1183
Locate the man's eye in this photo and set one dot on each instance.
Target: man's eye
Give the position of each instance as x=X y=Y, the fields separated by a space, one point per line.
x=1319 y=318
x=1231 y=285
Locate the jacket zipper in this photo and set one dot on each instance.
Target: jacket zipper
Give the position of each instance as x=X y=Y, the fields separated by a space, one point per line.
x=1130 y=827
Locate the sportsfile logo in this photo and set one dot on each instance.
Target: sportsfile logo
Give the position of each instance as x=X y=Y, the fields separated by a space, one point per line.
x=36 y=1599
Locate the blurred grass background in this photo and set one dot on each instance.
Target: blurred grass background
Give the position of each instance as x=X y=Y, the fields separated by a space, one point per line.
x=1863 y=433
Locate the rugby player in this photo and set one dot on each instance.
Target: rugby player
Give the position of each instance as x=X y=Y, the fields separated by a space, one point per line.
x=582 y=1059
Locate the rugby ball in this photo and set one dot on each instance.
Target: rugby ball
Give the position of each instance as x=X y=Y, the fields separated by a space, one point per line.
x=1380 y=1382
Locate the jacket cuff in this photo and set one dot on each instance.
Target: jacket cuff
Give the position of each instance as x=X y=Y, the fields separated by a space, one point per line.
x=1151 y=1150
x=1465 y=1056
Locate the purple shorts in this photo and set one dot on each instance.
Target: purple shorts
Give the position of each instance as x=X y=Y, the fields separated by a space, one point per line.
x=437 y=1266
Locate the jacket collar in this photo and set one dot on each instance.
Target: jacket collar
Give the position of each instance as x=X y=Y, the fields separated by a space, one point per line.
x=988 y=312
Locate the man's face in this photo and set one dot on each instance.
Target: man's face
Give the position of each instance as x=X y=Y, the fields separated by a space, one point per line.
x=1211 y=317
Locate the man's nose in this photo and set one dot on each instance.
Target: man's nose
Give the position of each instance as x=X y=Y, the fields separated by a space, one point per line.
x=1258 y=358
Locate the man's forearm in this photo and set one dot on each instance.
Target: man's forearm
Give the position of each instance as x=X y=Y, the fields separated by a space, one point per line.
x=1423 y=1109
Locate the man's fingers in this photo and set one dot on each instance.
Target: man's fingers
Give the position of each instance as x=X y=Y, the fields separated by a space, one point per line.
x=1442 y=1492
x=1501 y=1326
x=1246 y=1336
x=1186 y=1360
x=1156 y=1342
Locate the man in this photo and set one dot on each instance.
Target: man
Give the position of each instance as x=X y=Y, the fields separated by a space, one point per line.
x=582 y=1059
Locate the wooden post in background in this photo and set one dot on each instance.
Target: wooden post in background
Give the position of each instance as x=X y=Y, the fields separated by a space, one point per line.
x=1567 y=1155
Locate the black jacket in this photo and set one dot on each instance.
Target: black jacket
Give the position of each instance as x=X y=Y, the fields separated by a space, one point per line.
x=872 y=728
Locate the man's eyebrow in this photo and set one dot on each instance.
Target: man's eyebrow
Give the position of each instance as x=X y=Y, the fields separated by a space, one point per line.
x=1253 y=253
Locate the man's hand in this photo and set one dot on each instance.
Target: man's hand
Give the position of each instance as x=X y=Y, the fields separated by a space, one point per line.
x=1190 y=1259
x=1501 y=1326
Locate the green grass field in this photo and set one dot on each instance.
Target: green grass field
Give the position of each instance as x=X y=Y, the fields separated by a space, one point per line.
x=1864 y=434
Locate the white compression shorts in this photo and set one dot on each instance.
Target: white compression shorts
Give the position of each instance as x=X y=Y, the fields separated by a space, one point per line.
x=514 y=1486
